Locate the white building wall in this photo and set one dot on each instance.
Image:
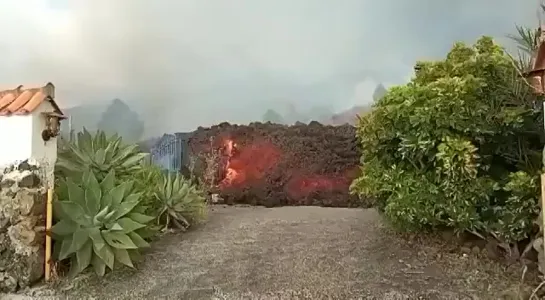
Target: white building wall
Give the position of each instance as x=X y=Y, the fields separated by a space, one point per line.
x=21 y=139
x=45 y=152
x=16 y=135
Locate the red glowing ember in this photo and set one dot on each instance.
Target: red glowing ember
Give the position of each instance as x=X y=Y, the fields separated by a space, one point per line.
x=249 y=164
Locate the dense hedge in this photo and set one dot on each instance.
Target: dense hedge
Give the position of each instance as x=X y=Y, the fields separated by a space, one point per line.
x=459 y=146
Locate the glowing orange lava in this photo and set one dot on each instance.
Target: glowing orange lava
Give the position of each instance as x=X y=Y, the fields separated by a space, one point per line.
x=249 y=163
x=230 y=173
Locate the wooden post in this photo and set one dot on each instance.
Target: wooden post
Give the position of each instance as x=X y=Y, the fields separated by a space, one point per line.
x=541 y=97
x=48 y=224
x=542 y=206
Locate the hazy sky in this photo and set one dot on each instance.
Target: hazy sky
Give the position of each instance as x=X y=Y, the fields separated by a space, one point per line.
x=186 y=63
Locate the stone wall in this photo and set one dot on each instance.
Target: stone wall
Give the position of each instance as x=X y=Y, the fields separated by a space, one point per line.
x=22 y=223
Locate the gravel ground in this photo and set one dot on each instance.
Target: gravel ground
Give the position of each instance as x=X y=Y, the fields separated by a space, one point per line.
x=293 y=253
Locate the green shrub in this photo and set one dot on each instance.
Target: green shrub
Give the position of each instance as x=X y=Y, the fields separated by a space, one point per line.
x=100 y=154
x=103 y=154
x=180 y=203
x=458 y=146
x=100 y=223
x=514 y=215
x=146 y=181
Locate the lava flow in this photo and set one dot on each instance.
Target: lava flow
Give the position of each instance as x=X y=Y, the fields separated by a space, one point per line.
x=248 y=164
x=230 y=173
x=274 y=164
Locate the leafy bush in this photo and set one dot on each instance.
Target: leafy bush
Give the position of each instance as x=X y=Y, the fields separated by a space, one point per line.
x=146 y=181
x=100 y=223
x=99 y=153
x=180 y=203
x=458 y=146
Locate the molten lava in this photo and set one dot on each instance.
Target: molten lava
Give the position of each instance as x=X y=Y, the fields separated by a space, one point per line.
x=273 y=165
x=248 y=164
x=230 y=173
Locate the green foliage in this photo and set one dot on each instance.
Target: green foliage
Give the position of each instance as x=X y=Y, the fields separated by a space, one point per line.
x=100 y=154
x=100 y=223
x=515 y=214
x=527 y=44
x=458 y=146
x=146 y=181
x=180 y=202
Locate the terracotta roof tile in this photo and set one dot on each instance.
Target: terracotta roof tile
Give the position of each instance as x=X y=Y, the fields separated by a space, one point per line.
x=20 y=101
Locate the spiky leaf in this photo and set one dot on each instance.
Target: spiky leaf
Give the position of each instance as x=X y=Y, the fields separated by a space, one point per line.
x=98 y=265
x=106 y=255
x=64 y=227
x=118 y=239
x=138 y=240
x=84 y=255
x=129 y=225
x=140 y=218
x=122 y=256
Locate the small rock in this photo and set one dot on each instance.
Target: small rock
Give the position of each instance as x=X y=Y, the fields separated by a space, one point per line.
x=23 y=237
x=492 y=250
x=7 y=283
x=465 y=250
x=394 y=295
x=29 y=181
x=6 y=182
x=9 y=169
x=24 y=165
x=216 y=198
x=475 y=250
x=4 y=222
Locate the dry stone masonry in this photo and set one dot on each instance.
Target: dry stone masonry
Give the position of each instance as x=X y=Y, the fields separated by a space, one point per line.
x=22 y=220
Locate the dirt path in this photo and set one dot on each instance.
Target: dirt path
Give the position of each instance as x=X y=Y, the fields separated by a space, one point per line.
x=296 y=253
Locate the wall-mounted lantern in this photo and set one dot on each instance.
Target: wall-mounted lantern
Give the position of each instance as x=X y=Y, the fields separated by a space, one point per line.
x=52 y=125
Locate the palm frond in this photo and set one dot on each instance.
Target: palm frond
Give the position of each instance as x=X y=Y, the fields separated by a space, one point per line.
x=526 y=39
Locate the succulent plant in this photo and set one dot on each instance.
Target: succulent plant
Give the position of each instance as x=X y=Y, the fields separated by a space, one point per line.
x=100 y=154
x=180 y=202
x=100 y=223
x=145 y=181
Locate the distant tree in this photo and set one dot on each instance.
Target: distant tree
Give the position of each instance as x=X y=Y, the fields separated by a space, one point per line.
x=119 y=118
x=273 y=117
x=379 y=92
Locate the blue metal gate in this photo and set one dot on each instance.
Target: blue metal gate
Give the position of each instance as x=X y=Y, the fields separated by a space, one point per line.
x=169 y=153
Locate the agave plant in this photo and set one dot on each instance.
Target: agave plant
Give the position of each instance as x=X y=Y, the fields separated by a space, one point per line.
x=100 y=223
x=100 y=154
x=146 y=181
x=181 y=202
